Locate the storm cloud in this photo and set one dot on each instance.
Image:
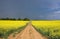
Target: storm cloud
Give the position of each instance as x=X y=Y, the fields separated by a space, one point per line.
x=33 y=9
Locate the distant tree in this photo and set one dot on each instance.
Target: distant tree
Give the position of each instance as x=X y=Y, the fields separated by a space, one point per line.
x=26 y=19
x=19 y=19
x=12 y=19
x=7 y=18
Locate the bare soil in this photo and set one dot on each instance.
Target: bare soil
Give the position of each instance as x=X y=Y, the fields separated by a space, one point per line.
x=28 y=33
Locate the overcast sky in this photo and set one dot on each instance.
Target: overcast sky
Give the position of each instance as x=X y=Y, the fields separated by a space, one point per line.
x=33 y=9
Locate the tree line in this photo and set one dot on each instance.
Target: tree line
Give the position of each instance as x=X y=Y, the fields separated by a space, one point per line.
x=14 y=19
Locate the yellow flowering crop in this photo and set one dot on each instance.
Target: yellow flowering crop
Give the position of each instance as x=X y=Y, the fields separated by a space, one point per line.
x=14 y=24
x=46 y=23
x=51 y=25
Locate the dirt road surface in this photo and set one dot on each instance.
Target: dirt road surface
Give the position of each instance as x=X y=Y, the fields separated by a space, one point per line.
x=28 y=33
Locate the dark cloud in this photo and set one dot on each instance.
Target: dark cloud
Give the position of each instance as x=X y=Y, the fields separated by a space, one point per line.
x=33 y=9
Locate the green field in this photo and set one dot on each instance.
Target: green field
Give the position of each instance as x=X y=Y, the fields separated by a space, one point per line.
x=50 y=29
x=8 y=27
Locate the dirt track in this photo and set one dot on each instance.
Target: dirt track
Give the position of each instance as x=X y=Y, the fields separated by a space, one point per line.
x=28 y=33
